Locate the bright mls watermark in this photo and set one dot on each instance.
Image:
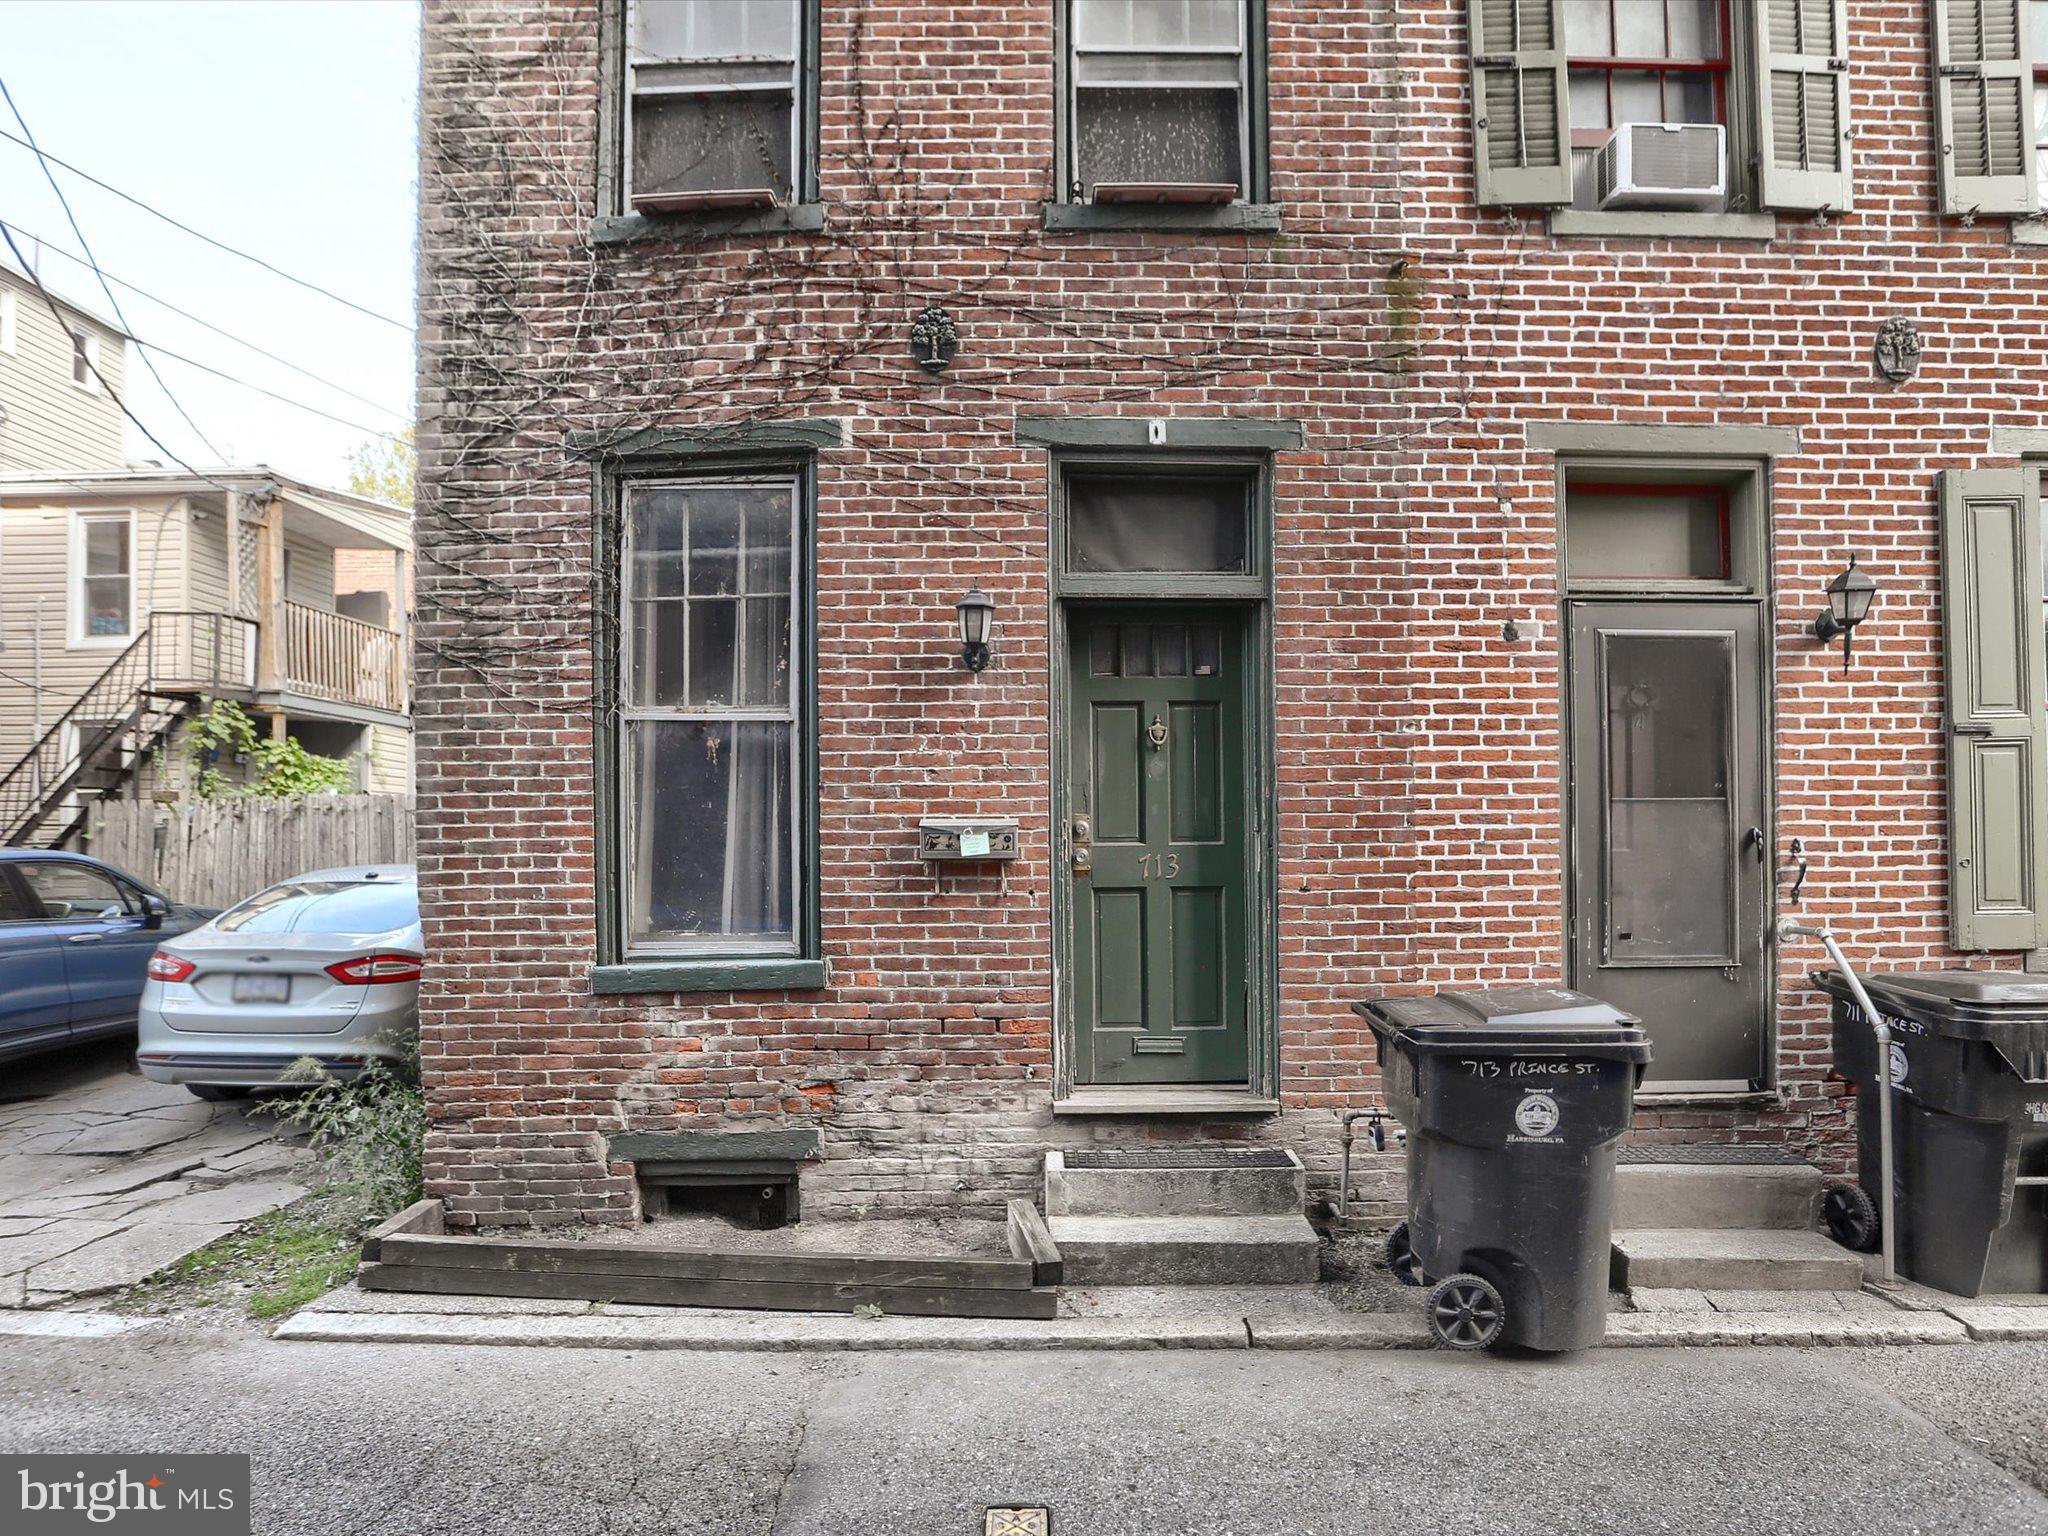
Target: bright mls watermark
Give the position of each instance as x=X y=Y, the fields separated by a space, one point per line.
x=157 y=1495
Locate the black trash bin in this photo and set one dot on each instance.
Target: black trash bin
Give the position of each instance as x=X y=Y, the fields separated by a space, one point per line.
x=1514 y=1099
x=1969 y=1061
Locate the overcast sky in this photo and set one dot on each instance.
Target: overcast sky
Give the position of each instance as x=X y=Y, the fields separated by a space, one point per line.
x=283 y=127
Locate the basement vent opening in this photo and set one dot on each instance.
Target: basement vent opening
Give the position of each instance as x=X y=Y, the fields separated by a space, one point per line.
x=746 y=1178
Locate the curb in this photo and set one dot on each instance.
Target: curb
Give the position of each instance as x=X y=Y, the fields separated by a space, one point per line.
x=1285 y=1328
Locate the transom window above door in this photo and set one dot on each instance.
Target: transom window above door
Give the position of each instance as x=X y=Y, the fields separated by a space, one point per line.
x=1159 y=101
x=1157 y=523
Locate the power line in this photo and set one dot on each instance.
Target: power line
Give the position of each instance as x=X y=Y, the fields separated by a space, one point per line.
x=105 y=287
x=240 y=341
x=78 y=341
x=191 y=362
x=219 y=245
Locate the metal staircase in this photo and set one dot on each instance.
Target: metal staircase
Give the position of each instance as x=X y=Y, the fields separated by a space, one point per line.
x=97 y=746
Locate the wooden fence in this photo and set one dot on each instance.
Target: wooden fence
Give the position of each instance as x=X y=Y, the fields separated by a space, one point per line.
x=215 y=852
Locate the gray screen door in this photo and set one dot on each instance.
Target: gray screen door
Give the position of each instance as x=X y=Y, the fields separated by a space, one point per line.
x=1670 y=855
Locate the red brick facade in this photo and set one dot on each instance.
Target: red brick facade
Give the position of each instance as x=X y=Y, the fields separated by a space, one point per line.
x=1415 y=336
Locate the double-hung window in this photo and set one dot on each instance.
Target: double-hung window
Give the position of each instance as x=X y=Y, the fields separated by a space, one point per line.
x=85 y=363
x=713 y=828
x=1159 y=104
x=716 y=110
x=1662 y=106
x=102 y=563
x=1641 y=61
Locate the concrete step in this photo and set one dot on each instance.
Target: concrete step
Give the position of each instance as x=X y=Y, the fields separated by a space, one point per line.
x=1733 y=1259
x=1667 y=1196
x=1185 y=1250
x=1175 y=1181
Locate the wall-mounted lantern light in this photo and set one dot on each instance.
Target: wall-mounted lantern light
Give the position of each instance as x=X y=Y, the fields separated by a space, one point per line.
x=1849 y=598
x=977 y=612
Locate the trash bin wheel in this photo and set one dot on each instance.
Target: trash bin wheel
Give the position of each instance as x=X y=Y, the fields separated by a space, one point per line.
x=1850 y=1215
x=1400 y=1257
x=1466 y=1312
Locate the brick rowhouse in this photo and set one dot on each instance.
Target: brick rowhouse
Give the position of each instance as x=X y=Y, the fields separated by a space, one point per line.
x=1418 y=688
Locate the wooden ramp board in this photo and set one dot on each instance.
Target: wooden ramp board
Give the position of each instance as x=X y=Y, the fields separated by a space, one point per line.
x=681 y=1291
x=411 y=1252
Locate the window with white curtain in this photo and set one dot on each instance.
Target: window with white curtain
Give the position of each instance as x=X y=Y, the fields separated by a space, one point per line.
x=709 y=749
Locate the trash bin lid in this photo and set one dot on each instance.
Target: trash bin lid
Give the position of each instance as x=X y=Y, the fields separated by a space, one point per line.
x=1968 y=1005
x=1508 y=1018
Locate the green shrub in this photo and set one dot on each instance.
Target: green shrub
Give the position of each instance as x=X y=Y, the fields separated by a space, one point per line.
x=368 y=1132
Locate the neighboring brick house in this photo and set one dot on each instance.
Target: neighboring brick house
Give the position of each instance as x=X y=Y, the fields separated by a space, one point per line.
x=1403 y=568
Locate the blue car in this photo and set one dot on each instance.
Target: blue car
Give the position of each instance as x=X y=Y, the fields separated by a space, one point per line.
x=75 y=940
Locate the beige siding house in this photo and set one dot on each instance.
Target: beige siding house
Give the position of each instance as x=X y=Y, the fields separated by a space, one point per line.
x=129 y=598
x=61 y=371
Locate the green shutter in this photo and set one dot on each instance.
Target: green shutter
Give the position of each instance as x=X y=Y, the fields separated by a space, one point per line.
x=1983 y=108
x=1801 y=54
x=1992 y=639
x=1521 y=134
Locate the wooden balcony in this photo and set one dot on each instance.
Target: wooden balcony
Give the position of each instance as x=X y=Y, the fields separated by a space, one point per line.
x=341 y=660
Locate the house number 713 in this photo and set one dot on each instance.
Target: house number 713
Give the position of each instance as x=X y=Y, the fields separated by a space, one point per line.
x=1158 y=866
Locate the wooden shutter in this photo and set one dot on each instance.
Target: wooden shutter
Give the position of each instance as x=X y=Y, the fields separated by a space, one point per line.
x=1521 y=135
x=1800 y=49
x=1998 y=742
x=1983 y=109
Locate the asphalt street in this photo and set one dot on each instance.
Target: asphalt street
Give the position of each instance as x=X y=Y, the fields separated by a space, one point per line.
x=401 y=1439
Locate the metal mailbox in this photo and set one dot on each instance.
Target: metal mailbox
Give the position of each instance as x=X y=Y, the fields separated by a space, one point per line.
x=962 y=839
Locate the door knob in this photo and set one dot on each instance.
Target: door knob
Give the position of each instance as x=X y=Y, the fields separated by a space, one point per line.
x=1754 y=838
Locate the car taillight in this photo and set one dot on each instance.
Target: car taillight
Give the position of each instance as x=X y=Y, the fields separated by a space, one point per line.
x=163 y=967
x=369 y=970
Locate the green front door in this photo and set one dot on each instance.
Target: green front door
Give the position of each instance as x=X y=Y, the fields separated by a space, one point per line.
x=1158 y=866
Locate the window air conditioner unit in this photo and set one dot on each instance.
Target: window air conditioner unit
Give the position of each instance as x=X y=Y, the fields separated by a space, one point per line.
x=1663 y=165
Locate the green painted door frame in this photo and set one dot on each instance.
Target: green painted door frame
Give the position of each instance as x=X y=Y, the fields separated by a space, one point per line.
x=1164 y=942
x=1159 y=868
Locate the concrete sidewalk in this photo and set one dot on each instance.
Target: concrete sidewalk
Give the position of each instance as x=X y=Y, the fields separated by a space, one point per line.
x=1207 y=1317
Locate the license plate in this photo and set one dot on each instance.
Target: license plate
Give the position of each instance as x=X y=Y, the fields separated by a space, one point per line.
x=262 y=989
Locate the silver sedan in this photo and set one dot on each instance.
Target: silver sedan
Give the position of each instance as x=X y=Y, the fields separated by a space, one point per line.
x=326 y=965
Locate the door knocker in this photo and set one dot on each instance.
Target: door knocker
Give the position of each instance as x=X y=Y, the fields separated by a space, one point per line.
x=1157 y=731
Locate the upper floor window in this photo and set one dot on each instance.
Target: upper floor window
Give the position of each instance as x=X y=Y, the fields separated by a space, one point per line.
x=1661 y=105
x=717 y=112
x=1160 y=103
x=1641 y=62
x=85 y=363
x=1991 y=105
x=2037 y=29
x=103 y=573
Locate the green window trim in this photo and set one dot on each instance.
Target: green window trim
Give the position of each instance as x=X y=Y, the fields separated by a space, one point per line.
x=672 y=454
x=639 y=976
x=1255 y=197
x=616 y=224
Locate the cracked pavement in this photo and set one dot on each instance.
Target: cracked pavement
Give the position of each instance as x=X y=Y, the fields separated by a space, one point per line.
x=106 y=1177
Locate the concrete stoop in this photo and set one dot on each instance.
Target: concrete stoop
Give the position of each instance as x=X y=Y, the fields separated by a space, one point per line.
x=1180 y=1216
x=1724 y=1225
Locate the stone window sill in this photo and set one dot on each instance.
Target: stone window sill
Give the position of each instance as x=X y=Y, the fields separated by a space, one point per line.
x=2030 y=232
x=630 y=228
x=785 y=973
x=1221 y=218
x=1648 y=224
